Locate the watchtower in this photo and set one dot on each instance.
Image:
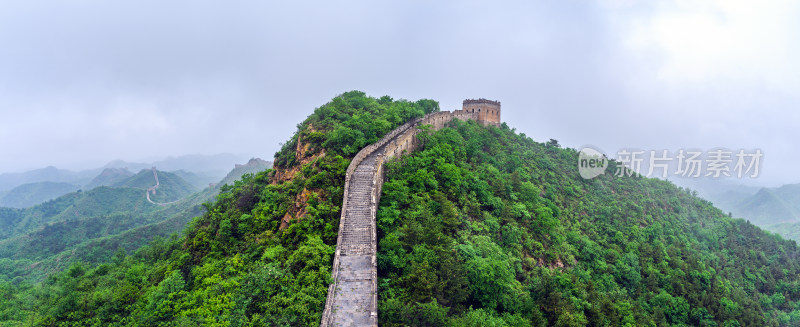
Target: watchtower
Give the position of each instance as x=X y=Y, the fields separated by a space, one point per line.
x=487 y=112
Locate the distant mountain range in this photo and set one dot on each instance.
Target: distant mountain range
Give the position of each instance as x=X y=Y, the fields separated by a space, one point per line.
x=776 y=209
x=9 y=181
x=20 y=190
x=90 y=226
x=109 y=176
x=218 y=164
x=30 y=194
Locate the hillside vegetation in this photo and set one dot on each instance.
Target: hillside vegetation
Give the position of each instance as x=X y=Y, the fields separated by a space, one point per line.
x=488 y=225
x=481 y=227
x=108 y=177
x=72 y=206
x=235 y=264
x=771 y=205
x=48 y=174
x=27 y=195
x=171 y=186
x=91 y=227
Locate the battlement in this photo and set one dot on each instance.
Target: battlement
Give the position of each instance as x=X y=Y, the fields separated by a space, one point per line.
x=486 y=112
x=481 y=101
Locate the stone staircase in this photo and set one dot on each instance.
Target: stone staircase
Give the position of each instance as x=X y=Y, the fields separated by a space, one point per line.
x=353 y=295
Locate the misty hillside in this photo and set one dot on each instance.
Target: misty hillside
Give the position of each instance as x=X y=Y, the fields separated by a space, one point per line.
x=775 y=209
x=49 y=174
x=109 y=177
x=96 y=235
x=210 y=168
x=253 y=166
x=73 y=206
x=762 y=206
x=198 y=180
x=175 y=186
x=127 y=196
x=771 y=205
x=171 y=186
x=30 y=194
x=482 y=226
x=196 y=163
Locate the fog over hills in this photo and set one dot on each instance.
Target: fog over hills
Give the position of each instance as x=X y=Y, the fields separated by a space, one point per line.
x=196 y=171
x=127 y=197
x=211 y=77
x=90 y=226
x=26 y=195
x=217 y=165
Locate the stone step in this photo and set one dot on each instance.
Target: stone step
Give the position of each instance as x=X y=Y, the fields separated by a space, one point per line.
x=353 y=294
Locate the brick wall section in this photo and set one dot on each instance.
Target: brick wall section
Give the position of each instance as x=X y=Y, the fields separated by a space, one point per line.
x=353 y=295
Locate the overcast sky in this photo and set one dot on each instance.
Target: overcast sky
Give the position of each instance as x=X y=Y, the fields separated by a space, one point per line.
x=86 y=82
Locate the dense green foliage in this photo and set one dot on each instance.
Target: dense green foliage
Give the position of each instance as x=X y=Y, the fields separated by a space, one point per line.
x=240 y=263
x=125 y=197
x=486 y=227
x=97 y=202
x=27 y=195
x=99 y=223
x=481 y=227
x=349 y=123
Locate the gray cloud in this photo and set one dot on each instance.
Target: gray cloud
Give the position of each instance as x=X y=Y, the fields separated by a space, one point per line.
x=86 y=82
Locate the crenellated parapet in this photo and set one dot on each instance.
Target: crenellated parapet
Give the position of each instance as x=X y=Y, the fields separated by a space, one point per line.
x=486 y=112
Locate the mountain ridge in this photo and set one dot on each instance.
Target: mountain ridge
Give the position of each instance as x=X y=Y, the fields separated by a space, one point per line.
x=481 y=226
x=96 y=237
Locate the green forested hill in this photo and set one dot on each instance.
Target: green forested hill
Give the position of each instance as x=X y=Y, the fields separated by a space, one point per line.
x=94 y=236
x=253 y=166
x=235 y=264
x=171 y=186
x=108 y=177
x=127 y=196
x=482 y=227
x=72 y=206
x=771 y=205
x=488 y=225
x=27 y=195
x=198 y=180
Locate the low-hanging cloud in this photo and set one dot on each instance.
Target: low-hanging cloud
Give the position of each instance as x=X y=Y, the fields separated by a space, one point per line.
x=86 y=82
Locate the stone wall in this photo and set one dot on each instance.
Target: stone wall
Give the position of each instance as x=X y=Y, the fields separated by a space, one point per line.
x=399 y=141
x=354 y=163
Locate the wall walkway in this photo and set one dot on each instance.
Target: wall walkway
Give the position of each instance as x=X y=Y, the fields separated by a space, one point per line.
x=353 y=295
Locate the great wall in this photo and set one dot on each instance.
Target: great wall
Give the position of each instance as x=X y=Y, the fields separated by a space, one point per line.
x=353 y=295
x=153 y=189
